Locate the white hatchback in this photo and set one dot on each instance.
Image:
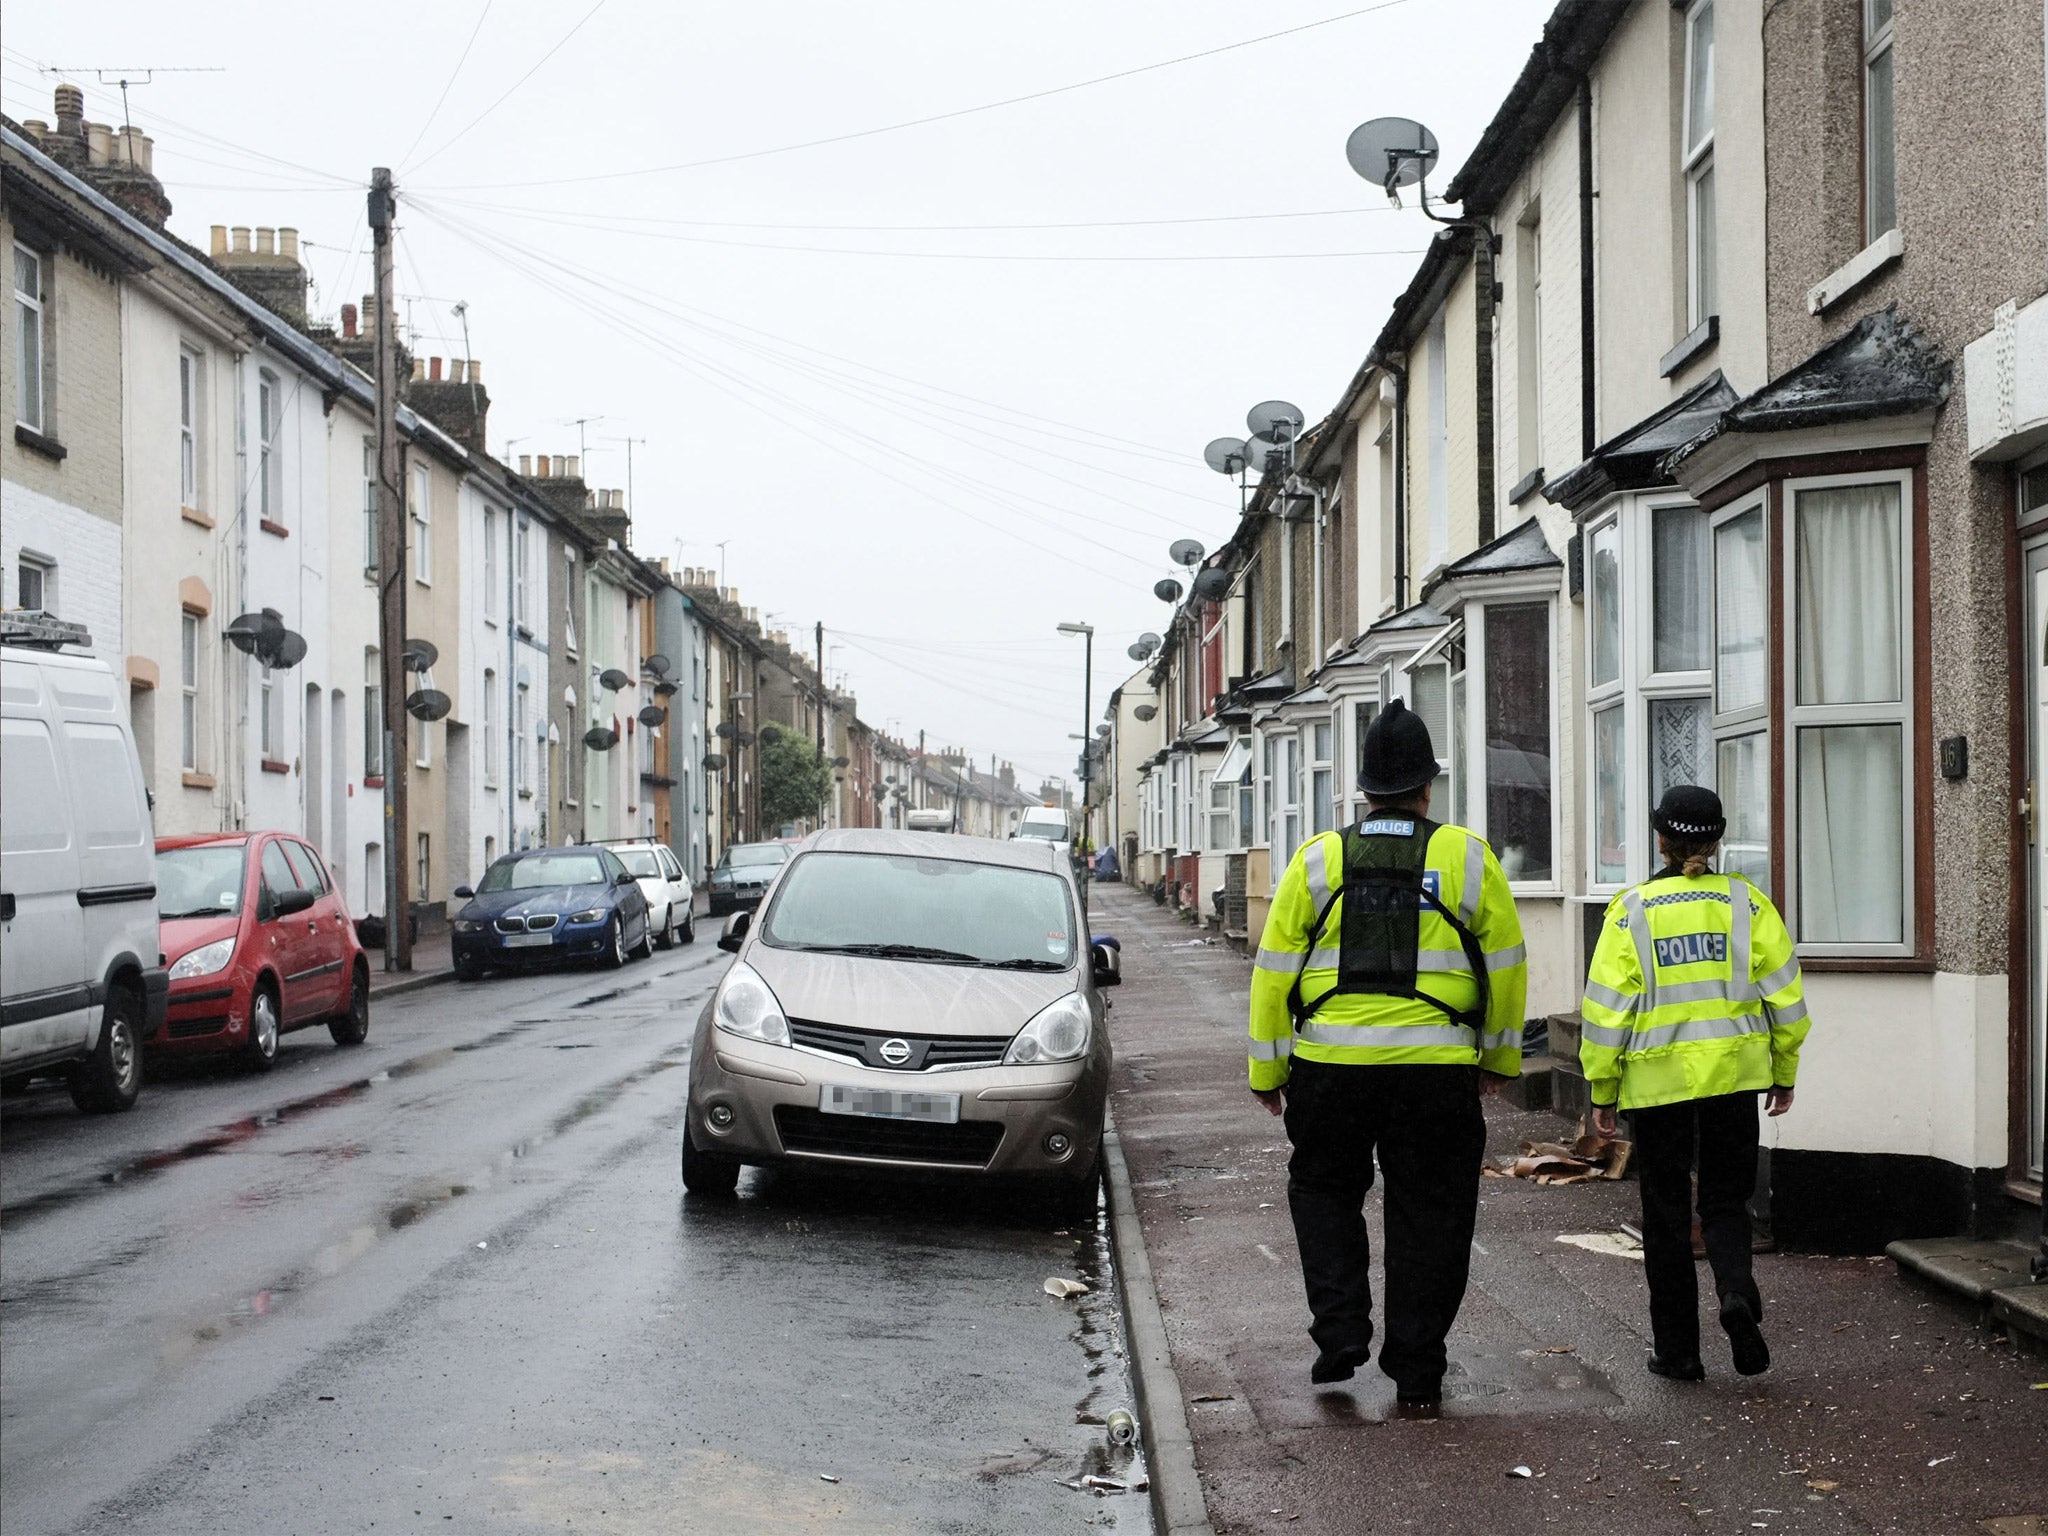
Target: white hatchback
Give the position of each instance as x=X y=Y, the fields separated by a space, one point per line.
x=671 y=915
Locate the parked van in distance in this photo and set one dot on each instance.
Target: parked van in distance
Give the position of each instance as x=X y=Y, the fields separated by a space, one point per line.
x=1048 y=823
x=82 y=982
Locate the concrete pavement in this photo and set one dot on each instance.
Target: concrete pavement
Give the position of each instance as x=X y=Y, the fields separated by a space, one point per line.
x=1886 y=1411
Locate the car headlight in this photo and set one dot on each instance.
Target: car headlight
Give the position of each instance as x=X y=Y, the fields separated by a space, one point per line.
x=467 y=925
x=1059 y=1033
x=592 y=915
x=748 y=1009
x=721 y=877
x=205 y=960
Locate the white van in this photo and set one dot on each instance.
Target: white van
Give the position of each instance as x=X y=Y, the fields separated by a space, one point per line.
x=82 y=982
x=1048 y=823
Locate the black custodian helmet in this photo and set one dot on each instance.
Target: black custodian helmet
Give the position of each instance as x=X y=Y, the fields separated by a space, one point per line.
x=1398 y=757
x=1690 y=812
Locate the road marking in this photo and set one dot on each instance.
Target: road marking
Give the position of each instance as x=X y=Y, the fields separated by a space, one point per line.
x=1269 y=1253
x=1476 y=1248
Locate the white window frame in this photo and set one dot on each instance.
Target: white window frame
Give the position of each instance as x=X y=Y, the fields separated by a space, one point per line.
x=521 y=714
x=269 y=451
x=1755 y=719
x=372 y=534
x=521 y=561
x=45 y=577
x=191 y=374
x=29 y=310
x=1325 y=767
x=191 y=648
x=1512 y=594
x=1877 y=47
x=490 y=723
x=423 y=754
x=269 y=729
x=419 y=509
x=491 y=566
x=373 y=714
x=1696 y=163
x=1798 y=716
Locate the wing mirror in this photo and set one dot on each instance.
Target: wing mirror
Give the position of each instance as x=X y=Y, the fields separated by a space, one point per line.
x=1108 y=965
x=293 y=901
x=735 y=933
x=465 y=892
x=623 y=877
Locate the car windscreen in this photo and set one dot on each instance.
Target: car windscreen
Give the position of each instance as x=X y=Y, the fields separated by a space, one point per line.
x=543 y=869
x=766 y=855
x=945 y=910
x=642 y=864
x=205 y=881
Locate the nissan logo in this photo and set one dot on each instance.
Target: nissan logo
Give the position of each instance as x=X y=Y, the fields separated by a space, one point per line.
x=894 y=1052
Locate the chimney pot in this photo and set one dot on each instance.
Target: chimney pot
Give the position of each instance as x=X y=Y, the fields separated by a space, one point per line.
x=476 y=371
x=526 y=464
x=266 y=241
x=218 y=245
x=140 y=150
x=70 y=104
x=348 y=317
x=434 y=369
x=240 y=237
x=37 y=129
x=454 y=370
x=575 y=469
x=288 y=243
x=419 y=369
x=99 y=140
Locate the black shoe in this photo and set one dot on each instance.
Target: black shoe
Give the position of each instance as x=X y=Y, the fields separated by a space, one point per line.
x=1678 y=1368
x=1738 y=1320
x=1338 y=1364
x=1416 y=1405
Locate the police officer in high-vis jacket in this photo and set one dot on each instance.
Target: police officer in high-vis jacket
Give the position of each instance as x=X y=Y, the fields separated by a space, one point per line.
x=1390 y=980
x=1694 y=1006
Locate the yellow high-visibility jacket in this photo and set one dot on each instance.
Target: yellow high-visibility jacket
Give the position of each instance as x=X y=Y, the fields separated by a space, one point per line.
x=1694 y=991
x=1376 y=1029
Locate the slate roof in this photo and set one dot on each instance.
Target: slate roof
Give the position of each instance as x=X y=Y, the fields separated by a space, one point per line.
x=1632 y=460
x=1521 y=548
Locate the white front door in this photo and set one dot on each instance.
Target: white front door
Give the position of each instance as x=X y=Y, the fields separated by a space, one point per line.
x=2037 y=852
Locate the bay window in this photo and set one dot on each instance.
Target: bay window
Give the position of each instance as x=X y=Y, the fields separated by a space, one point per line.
x=1515 y=722
x=1220 y=798
x=1741 y=692
x=1322 y=771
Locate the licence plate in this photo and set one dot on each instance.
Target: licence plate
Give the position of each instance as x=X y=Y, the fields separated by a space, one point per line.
x=889 y=1104
x=528 y=940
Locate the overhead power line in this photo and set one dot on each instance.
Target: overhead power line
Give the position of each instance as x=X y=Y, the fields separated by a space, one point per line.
x=447 y=86
x=560 y=43
x=942 y=117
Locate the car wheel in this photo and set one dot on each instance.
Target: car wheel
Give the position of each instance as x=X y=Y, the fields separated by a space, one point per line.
x=667 y=938
x=264 y=1026
x=645 y=948
x=708 y=1173
x=615 y=950
x=689 y=932
x=353 y=1027
x=1075 y=1197
x=108 y=1080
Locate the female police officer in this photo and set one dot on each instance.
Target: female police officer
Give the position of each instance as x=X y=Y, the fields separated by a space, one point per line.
x=1693 y=1006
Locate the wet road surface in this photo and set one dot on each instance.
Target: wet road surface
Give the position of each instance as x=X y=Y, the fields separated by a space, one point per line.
x=448 y=1281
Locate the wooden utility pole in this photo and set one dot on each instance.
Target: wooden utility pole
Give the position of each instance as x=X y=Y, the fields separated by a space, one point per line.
x=391 y=591
x=825 y=788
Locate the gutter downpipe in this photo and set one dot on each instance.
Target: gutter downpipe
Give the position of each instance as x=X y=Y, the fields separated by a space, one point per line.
x=1588 y=392
x=1286 y=639
x=1316 y=577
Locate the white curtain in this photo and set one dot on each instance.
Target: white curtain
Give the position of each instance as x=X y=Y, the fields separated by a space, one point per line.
x=1852 y=875
x=1848 y=595
x=1610 y=800
x=1744 y=780
x=1739 y=613
x=1678 y=561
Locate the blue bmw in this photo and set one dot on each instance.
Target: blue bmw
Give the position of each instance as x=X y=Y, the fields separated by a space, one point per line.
x=551 y=904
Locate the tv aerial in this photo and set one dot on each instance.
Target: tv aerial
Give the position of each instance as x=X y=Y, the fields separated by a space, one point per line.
x=1187 y=552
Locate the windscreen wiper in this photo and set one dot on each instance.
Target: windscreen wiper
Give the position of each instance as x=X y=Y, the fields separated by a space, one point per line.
x=1024 y=964
x=898 y=952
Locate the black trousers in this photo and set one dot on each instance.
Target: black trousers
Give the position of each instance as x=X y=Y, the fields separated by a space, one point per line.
x=1719 y=1137
x=1425 y=1124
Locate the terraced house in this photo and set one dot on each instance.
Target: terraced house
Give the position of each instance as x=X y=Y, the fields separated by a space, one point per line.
x=1707 y=445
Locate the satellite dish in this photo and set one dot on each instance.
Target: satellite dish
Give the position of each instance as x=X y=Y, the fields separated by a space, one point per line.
x=1136 y=651
x=839 y=762
x=600 y=739
x=1212 y=584
x=771 y=733
x=658 y=664
x=723 y=728
x=745 y=738
x=1274 y=421
x=1150 y=641
x=1391 y=152
x=1166 y=589
x=1225 y=455
x=1145 y=711
x=614 y=679
x=1102 y=730
x=881 y=791
x=1187 y=552
x=291 y=650
x=249 y=629
x=714 y=761
x=653 y=714
x=428 y=704
x=418 y=655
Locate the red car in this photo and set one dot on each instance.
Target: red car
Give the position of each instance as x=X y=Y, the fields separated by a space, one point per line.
x=258 y=943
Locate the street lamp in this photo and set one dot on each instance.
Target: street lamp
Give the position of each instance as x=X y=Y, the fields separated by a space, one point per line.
x=1087 y=634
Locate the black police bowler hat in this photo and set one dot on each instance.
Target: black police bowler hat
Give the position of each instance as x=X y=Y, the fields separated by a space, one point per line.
x=1689 y=811
x=1398 y=757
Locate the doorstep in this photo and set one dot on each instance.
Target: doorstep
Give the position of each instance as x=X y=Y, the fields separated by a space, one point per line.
x=1991 y=1273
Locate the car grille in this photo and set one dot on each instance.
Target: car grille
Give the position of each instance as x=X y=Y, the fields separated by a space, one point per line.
x=539 y=923
x=927 y=1052
x=186 y=1029
x=970 y=1144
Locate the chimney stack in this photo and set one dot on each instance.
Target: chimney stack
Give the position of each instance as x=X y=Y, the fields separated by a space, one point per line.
x=348 y=315
x=267 y=269
x=118 y=162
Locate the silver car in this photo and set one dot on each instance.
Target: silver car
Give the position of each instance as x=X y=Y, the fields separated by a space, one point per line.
x=912 y=1002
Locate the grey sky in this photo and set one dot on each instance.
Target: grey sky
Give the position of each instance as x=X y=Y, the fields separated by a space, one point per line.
x=938 y=545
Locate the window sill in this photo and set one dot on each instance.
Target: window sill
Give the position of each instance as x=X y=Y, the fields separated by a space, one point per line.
x=194 y=780
x=40 y=442
x=1907 y=965
x=1856 y=271
x=525 y=631
x=491 y=620
x=1698 y=341
x=195 y=516
x=272 y=765
x=1526 y=487
x=278 y=529
x=423 y=581
x=526 y=794
x=373 y=781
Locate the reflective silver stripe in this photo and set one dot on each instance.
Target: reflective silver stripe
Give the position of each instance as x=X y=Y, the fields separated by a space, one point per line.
x=1790 y=1013
x=1506 y=959
x=1271 y=1050
x=1781 y=978
x=1316 y=868
x=1601 y=1034
x=1639 y=930
x=1442 y=960
x=1695 y=1029
x=1740 y=989
x=1386 y=1037
x=1505 y=1037
x=1475 y=879
x=1728 y=991
x=1609 y=997
x=1679 y=898
x=1289 y=961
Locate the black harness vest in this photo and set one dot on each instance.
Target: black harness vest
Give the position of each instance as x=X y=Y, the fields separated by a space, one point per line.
x=1385 y=887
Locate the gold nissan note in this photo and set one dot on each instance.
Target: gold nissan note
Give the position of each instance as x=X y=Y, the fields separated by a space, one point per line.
x=910 y=1002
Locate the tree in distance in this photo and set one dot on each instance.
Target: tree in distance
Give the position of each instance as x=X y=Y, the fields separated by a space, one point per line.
x=793 y=781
